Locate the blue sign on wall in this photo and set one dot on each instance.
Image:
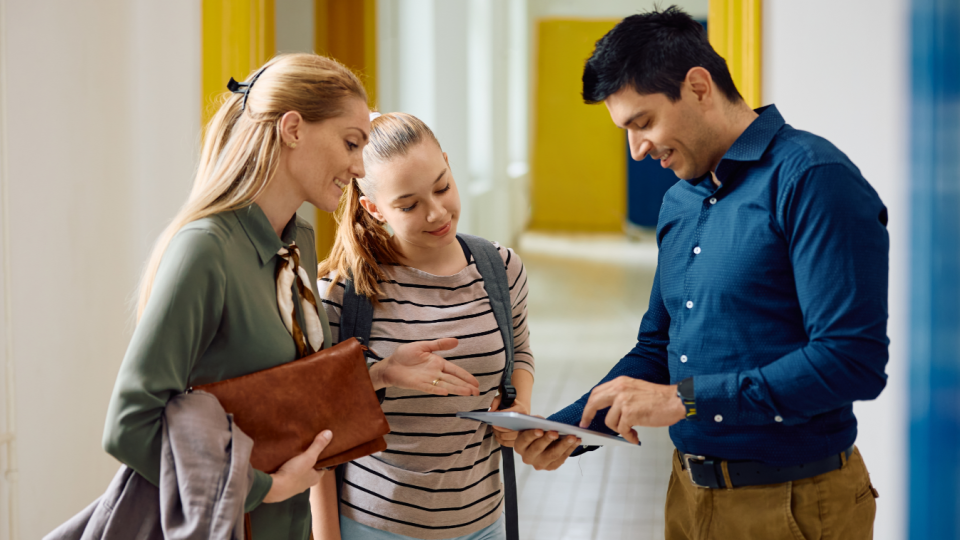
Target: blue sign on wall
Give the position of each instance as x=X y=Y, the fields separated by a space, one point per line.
x=935 y=267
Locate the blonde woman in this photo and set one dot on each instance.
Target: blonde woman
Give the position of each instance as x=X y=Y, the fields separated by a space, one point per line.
x=439 y=477
x=209 y=299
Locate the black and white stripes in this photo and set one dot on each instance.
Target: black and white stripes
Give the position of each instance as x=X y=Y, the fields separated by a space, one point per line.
x=439 y=476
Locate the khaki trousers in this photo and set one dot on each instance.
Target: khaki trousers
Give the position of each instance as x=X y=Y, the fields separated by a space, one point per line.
x=835 y=505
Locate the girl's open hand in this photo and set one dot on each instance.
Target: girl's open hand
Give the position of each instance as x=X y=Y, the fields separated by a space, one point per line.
x=415 y=366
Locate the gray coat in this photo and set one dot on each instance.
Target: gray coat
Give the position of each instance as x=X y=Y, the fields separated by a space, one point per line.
x=205 y=475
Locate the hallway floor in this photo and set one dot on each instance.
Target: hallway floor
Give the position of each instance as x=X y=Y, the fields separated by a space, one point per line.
x=587 y=296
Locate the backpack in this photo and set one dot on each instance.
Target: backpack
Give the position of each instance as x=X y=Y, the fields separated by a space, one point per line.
x=356 y=320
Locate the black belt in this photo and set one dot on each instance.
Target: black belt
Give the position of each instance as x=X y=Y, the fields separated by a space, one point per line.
x=708 y=472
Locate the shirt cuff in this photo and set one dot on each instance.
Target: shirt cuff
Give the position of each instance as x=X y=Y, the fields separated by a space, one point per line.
x=722 y=399
x=262 y=482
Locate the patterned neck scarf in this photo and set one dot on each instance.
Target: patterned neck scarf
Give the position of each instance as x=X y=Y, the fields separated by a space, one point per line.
x=288 y=272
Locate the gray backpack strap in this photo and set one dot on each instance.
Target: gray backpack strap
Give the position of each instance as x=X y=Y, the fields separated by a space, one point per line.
x=494 y=274
x=356 y=315
x=356 y=320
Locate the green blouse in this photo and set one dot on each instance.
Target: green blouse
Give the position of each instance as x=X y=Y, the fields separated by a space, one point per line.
x=212 y=315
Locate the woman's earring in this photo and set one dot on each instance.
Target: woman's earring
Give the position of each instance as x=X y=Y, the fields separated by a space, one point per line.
x=292 y=144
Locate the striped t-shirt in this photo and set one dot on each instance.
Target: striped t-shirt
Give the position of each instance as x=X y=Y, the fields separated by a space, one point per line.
x=439 y=476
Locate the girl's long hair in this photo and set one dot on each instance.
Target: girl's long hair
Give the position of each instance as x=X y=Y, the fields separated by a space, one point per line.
x=362 y=243
x=241 y=148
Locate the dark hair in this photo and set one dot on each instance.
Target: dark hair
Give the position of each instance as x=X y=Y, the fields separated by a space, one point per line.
x=653 y=52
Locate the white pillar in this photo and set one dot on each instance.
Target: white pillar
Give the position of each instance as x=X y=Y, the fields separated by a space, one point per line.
x=102 y=123
x=447 y=62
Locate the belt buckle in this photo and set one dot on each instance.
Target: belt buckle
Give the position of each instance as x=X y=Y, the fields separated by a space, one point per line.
x=686 y=460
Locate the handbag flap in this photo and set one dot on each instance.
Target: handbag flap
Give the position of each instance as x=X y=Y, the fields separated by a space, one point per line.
x=283 y=408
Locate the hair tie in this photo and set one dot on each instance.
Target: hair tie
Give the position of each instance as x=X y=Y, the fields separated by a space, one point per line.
x=374 y=115
x=243 y=87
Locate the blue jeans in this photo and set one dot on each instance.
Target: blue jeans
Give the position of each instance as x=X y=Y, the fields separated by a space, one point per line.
x=351 y=530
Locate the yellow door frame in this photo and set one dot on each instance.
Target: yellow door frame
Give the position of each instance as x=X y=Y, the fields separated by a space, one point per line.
x=345 y=30
x=238 y=36
x=734 y=28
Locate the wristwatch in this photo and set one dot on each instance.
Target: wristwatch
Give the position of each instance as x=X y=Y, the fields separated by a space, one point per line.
x=688 y=397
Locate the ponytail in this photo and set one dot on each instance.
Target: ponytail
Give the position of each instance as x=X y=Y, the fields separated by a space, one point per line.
x=362 y=243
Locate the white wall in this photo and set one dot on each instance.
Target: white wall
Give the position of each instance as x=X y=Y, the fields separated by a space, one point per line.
x=101 y=117
x=462 y=67
x=841 y=70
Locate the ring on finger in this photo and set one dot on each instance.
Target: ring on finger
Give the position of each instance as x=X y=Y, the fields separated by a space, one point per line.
x=435 y=381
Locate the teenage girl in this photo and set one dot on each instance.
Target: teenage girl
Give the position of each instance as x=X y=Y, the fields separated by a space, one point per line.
x=209 y=305
x=439 y=477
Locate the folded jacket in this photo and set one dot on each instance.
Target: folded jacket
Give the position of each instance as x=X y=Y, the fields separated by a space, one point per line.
x=205 y=475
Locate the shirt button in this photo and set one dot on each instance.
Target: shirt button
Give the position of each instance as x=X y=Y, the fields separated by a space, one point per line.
x=689 y=304
x=778 y=418
x=683 y=358
x=713 y=200
x=718 y=418
x=696 y=250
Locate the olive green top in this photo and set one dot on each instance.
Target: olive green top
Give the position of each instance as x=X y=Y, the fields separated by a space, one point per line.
x=212 y=315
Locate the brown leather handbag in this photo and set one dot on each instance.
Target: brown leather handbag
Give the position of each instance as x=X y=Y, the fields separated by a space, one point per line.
x=284 y=407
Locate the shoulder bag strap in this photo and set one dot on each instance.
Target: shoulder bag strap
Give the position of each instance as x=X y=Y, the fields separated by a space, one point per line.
x=356 y=320
x=494 y=274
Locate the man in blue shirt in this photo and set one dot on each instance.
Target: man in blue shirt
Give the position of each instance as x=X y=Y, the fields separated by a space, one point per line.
x=767 y=317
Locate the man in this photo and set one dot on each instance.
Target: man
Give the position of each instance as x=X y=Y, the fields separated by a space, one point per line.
x=767 y=317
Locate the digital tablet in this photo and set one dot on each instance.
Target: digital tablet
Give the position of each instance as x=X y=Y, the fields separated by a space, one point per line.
x=522 y=422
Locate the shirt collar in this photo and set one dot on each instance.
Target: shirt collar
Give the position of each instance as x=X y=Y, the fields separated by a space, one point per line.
x=753 y=142
x=261 y=233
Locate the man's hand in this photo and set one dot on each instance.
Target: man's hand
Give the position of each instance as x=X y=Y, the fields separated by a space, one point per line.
x=634 y=402
x=544 y=451
x=523 y=383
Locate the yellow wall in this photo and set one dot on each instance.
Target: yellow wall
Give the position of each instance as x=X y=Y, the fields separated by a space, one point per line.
x=347 y=31
x=238 y=37
x=734 y=27
x=578 y=162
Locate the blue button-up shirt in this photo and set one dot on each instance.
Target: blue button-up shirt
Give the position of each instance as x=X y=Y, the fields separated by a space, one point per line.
x=771 y=292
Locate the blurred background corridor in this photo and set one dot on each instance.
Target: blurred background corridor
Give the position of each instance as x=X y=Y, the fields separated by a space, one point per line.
x=101 y=108
x=611 y=493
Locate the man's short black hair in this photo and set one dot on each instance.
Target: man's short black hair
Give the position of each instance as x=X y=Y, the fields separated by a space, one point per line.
x=653 y=52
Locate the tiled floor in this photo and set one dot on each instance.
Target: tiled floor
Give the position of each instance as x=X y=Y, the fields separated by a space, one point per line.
x=587 y=297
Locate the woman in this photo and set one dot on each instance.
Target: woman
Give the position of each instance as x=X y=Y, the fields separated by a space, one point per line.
x=439 y=477
x=209 y=298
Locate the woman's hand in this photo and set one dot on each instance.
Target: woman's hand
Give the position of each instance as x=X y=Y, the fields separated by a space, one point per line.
x=297 y=474
x=414 y=366
x=504 y=436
